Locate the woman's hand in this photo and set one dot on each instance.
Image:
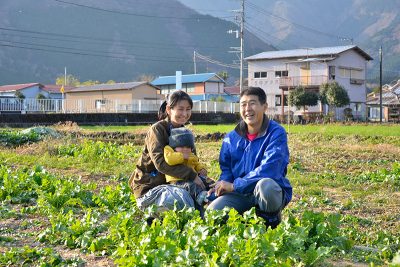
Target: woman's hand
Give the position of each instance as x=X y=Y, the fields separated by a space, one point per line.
x=199 y=182
x=203 y=172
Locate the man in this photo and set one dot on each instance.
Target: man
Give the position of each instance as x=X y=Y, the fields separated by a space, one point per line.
x=253 y=161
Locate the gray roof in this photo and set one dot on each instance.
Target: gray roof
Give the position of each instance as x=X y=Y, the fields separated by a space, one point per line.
x=309 y=52
x=390 y=95
x=107 y=87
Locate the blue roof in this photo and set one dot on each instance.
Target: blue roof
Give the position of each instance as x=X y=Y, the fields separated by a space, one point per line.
x=308 y=52
x=190 y=78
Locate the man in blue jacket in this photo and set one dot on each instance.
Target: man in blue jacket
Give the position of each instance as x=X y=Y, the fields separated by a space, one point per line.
x=253 y=161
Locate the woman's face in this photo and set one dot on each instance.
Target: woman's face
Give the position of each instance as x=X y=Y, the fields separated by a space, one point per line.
x=180 y=113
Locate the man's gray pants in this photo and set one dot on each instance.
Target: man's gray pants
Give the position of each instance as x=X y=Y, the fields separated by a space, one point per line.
x=267 y=196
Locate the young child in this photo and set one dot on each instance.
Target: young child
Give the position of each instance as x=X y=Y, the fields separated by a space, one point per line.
x=181 y=141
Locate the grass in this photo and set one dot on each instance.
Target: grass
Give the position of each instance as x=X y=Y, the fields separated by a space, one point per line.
x=349 y=170
x=326 y=129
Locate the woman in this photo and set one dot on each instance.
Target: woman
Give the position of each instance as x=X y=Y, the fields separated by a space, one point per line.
x=148 y=180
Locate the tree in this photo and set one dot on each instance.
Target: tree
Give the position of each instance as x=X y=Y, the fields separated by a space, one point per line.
x=70 y=81
x=89 y=82
x=334 y=95
x=19 y=95
x=223 y=74
x=145 y=78
x=219 y=98
x=40 y=96
x=299 y=97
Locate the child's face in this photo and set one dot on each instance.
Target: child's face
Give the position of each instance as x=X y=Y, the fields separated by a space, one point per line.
x=183 y=149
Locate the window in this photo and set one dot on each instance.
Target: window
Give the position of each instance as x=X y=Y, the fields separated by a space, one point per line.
x=100 y=103
x=351 y=73
x=278 y=101
x=332 y=72
x=190 y=88
x=357 y=107
x=260 y=74
x=281 y=73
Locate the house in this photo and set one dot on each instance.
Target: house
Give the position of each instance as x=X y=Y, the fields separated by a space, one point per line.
x=117 y=97
x=27 y=90
x=31 y=90
x=54 y=90
x=278 y=72
x=20 y=97
x=390 y=103
x=202 y=86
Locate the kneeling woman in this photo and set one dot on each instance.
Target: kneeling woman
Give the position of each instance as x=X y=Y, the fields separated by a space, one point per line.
x=148 y=180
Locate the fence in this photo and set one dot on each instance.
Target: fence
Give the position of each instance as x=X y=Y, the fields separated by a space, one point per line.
x=31 y=105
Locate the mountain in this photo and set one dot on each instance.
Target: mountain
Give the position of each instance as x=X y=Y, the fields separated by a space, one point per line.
x=111 y=40
x=290 y=24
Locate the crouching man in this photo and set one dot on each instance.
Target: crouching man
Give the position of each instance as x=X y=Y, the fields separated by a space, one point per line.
x=253 y=161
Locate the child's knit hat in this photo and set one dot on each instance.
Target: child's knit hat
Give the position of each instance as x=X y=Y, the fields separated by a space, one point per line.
x=181 y=137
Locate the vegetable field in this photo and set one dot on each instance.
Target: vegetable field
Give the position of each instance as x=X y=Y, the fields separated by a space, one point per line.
x=65 y=202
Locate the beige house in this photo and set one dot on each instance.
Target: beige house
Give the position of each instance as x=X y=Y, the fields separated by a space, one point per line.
x=118 y=97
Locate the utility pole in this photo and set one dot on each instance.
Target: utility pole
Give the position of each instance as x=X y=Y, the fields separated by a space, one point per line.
x=194 y=62
x=380 y=85
x=241 y=46
x=65 y=76
x=239 y=34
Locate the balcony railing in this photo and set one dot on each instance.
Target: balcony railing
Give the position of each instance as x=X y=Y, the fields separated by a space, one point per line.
x=295 y=81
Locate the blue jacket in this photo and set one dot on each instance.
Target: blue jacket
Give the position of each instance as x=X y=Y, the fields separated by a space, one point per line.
x=244 y=162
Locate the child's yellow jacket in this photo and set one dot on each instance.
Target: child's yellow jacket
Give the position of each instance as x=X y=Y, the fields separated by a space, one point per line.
x=174 y=158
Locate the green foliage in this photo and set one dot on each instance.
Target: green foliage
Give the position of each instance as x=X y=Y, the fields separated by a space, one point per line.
x=40 y=96
x=334 y=95
x=391 y=176
x=70 y=80
x=224 y=75
x=219 y=98
x=299 y=97
x=92 y=150
x=43 y=257
x=12 y=138
x=19 y=95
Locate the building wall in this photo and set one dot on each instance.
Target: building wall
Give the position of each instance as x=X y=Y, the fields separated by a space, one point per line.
x=357 y=92
x=214 y=88
x=95 y=100
x=199 y=89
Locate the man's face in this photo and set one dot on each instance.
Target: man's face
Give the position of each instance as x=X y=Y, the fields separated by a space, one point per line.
x=252 y=111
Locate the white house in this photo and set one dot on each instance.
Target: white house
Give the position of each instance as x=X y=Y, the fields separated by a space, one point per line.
x=278 y=72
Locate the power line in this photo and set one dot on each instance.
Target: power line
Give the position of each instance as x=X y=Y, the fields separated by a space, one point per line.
x=85 y=50
x=263 y=11
x=80 y=37
x=136 y=14
x=90 y=54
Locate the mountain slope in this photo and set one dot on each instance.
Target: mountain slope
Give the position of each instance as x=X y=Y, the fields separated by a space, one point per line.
x=313 y=23
x=109 y=39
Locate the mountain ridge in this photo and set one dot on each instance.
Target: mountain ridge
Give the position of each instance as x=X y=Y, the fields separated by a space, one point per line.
x=110 y=40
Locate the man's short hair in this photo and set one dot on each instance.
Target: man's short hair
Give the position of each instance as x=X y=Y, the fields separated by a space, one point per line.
x=262 y=97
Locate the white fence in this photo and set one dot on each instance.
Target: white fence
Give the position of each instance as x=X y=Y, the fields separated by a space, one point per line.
x=31 y=105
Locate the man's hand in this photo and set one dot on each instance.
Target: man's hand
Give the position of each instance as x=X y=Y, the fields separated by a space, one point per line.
x=221 y=187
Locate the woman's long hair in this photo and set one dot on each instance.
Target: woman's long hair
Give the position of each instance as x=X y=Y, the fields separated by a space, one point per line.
x=173 y=99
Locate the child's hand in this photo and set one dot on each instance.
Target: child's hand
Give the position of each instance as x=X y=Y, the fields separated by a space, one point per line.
x=203 y=172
